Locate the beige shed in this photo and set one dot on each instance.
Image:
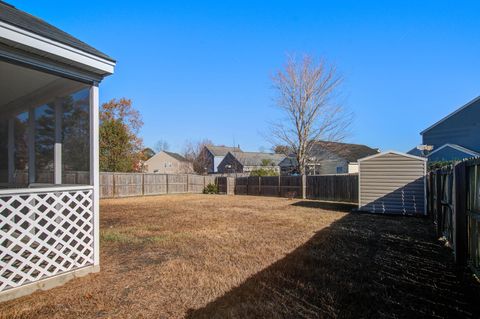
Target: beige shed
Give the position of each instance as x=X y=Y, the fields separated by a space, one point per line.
x=392 y=183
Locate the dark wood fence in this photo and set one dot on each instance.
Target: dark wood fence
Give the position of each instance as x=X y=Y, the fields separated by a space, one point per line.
x=454 y=205
x=338 y=188
x=139 y=184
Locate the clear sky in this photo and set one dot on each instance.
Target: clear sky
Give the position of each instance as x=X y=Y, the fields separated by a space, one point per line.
x=201 y=69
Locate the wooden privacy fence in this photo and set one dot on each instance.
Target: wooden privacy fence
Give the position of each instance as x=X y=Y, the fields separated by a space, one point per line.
x=140 y=184
x=339 y=188
x=454 y=205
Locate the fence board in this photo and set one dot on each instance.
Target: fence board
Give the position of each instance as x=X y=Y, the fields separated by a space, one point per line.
x=155 y=184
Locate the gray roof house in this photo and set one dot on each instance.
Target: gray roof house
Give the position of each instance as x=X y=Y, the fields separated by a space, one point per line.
x=454 y=137
x=212 y=156
x=49 y=153
x=244 y=162
x=336 y=158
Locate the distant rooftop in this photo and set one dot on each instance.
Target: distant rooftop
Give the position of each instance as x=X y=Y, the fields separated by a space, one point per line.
x=350 y=152
x=18 y=18
x=222 y=150
x=258 y=158
x=177 y=156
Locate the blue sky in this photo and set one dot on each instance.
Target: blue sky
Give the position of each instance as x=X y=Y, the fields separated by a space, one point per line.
x=202 y=69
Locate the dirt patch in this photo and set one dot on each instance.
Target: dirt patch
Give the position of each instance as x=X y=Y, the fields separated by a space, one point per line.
x=203 y=256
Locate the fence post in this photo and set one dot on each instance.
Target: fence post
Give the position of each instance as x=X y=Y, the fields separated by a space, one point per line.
x=113 y=185
x=279 y=186
x=460 y=237
x=259 y=185
x=143 y=184
x=438 y=201
x=304 y=186
x=166 y=183
x=187 y=183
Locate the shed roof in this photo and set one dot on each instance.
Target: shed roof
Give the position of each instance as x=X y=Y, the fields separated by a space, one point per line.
x=348 y=151
x=222 y=150
x=392 y=152
x=18 y=18
x=258 y=158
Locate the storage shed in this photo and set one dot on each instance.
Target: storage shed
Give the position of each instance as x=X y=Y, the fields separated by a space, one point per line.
x=392 y=183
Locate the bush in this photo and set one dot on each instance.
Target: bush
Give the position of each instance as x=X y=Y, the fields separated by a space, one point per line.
x=264 y=172
x=210 y=189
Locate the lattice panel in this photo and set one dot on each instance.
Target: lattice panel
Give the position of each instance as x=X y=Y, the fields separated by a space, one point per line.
x=44 y=234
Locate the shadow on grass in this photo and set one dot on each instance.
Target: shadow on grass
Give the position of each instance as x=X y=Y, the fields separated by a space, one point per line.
x=340 y=207
x=362 y=266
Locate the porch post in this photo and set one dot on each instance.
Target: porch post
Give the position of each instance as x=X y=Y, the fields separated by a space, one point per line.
x=58 y=143
x=31 y=146
x=94 y=168
x=11 y=152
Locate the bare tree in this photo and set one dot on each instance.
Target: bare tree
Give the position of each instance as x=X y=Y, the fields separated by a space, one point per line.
x=161 y=145
x=306 y=91
x=195 y=153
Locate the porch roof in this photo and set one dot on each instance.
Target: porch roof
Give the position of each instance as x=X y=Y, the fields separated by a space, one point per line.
x=11 y=15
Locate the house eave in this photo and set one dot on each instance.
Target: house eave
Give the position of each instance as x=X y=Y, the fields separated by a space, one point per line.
x=41 y=46
x=456 y=147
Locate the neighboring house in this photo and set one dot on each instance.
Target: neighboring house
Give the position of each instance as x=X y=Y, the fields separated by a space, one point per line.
x=454 y=137
x=212 y=156
x=336 y=158
x=245 y=162
x=49 y=154
x=168 y=163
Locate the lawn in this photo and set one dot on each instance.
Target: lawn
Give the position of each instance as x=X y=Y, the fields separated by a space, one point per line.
x=204 y=256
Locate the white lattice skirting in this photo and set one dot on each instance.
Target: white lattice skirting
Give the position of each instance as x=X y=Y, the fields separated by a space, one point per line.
x=44 y=234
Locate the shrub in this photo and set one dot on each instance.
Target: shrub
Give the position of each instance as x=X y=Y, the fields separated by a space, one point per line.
x=264 y=172
x=210 y=189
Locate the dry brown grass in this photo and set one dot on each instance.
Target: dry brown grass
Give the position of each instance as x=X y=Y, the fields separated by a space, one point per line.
x=223 y=256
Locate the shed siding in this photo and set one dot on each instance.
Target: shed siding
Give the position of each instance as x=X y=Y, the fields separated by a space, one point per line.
x=392 y=183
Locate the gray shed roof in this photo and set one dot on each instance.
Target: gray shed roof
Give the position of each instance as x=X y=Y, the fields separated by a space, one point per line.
x=257 y=158
x=222 y=150
x=13 y=16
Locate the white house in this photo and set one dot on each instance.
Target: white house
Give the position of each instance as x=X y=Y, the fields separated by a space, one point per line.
x=49 y=176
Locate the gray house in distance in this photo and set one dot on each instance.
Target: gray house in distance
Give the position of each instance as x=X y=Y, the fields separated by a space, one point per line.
x=212 y=155
x=244 y=162
x=336 y=158
x=456 y=136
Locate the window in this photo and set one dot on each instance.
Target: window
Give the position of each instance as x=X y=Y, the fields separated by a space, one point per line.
x=76 y=138
x=340 y=170
x=20 y=132
x=3 y=150
x=44 y=143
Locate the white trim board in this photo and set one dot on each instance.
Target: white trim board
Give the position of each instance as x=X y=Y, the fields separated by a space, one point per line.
x=392 y=152
x=451 y=114
x=60 y=50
